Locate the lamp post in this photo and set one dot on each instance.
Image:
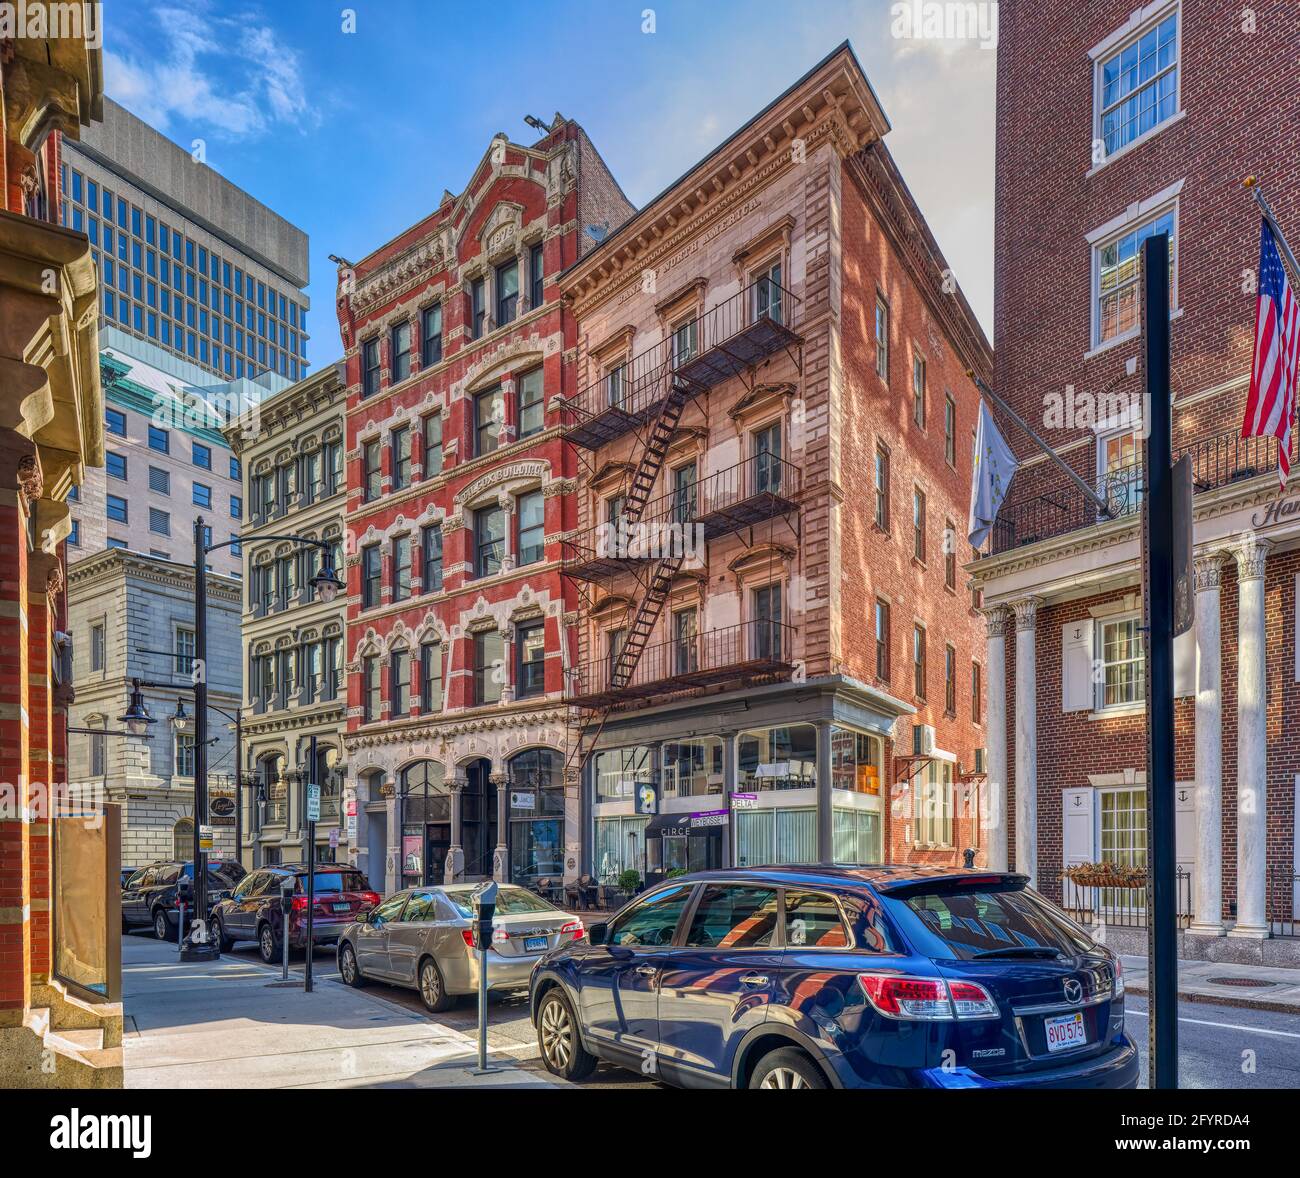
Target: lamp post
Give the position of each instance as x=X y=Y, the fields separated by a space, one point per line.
x=327 y=585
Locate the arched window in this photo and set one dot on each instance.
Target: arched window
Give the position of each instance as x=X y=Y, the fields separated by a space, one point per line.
x=536 y=815
x=183 y=839
x=272 y=784
x=423 y=794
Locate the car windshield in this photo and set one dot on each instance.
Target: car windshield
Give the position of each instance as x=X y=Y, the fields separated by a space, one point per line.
x=510 y=901
x=965 y=923
x=335 y=881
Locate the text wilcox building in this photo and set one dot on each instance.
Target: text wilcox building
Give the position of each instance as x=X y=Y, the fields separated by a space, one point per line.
x=772 y=432
x=1150 y=134
x=460 y=486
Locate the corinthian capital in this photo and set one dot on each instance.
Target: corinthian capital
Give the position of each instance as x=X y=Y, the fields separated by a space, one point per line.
x=1209 y=572
x=1026 y=612
x=1251 y=555
x=997 y=621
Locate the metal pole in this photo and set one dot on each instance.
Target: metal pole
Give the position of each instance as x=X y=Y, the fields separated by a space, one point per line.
x=239 y=789
x=1162 y=901
x=180 y=930
x=482 y=998
x=1253 y=186
x=311 y=861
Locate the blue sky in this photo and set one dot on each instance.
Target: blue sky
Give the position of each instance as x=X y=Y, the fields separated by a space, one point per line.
x=354 y=135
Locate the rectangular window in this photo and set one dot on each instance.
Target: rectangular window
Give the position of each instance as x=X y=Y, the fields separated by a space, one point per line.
x=882 y=640
x=202 y=495
x=477 y=307
x=160 y=522
x=489 y=541
x=370 y=368
x=882 y=337
x=236 y=507
x=488 y=655
x=950 y=555
x=768 y=632
x=949 y=431
x=536 y=276
x=370 y=697
x=431 y=335
x=371 y=566
x=184 y=650
x=918 y=662
x=882 y=488
x=934 y=798
x=507 y=283
x=400 y=349
x=401 y=568
x=202 y=455
x=431 y=553
x=184 y=754
x=685 y=341
x=976 y=701
x=532 y=412
x=918 y=524
x=372 y=470
x=74 y=536
x=1137 y=85
x=1123 y=664
x=949 y=680
x=117 y=509
x=401 y=457
x=115 y=464
x=918 y=389
x=686 y=654
x=530 y=510
x=530 y=660
x=1115 y=274
x=160 y=440
x=432 y=427
x=399 y=684
x=767 y=460
x=97 y=646
x=489 y=416
x=685 y=479
x=430 y=677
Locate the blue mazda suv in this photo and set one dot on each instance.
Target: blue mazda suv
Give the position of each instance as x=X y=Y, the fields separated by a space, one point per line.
x=838 y=977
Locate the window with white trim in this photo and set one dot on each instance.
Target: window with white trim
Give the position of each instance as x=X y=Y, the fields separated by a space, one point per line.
x=1121 y=664
x=1137 y=83
x=1115 y=269
x=934 y=805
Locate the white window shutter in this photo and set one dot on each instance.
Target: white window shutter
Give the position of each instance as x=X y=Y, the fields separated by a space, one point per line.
x=1076 y=666
x=1077 y=830
x=1185 y=826
x=1185 y=663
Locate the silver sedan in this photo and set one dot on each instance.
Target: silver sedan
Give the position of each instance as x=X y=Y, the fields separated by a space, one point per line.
x=423 y=938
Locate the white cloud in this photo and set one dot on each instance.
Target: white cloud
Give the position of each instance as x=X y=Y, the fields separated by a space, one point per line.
x=228 y=75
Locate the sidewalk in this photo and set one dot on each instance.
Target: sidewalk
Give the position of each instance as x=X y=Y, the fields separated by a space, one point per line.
x=1259 y=987
x=232 y=1024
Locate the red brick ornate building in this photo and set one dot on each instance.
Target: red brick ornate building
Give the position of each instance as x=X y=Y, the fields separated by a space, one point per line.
x=1114 y=124
x=459 y=489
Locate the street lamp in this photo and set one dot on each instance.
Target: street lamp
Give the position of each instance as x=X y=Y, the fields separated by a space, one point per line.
x=136 y=717
x=180 y=718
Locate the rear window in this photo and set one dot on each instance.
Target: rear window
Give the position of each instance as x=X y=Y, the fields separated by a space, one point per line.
x=335 y=881
x=965 y=923
x=510 y=902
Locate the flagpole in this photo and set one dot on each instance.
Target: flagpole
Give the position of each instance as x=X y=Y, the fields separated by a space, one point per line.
x=1052 y=455
x=1251 y=184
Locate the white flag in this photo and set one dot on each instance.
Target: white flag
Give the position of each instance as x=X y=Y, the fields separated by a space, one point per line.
x=994 y=467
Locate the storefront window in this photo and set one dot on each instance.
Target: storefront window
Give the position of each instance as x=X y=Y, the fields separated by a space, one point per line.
x=425 y=809
x=856 y=836
x=775 y=836
x=619 y=771
x=692 y=768
x=536 y=816
x=777 y=758
x=855 y=762
x=619 y=844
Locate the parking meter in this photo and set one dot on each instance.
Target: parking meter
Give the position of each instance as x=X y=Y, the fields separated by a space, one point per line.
x=286 y=906
x=185 y=903
x=484 y=903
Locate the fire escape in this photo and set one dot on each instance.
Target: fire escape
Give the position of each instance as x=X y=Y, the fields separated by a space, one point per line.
x=646 y=397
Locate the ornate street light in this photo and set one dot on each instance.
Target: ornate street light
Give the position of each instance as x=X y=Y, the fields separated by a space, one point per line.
x=136 y=717
x=180 y=718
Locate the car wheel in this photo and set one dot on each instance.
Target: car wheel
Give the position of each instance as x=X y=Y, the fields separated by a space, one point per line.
x=348 y=967
x=266 y=944
x=218 y=935
x=160 y=926
x=433 y=993
x=559 y=1041
x=786 y=1068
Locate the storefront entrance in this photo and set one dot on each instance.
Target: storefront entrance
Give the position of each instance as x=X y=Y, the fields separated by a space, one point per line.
x=425 y=814
x=536 y=779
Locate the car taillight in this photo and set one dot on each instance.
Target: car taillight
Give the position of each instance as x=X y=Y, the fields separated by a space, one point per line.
x=573 y=929
x=298 y=903
x=467 y=935
x=1119 y=978
x=899 y=996
x=371 y=898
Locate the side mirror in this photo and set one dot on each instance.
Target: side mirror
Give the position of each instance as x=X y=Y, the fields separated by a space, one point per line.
x=366 y=915
x=596 y=932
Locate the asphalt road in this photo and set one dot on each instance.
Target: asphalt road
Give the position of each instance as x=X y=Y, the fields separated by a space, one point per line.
x=1219 y=1046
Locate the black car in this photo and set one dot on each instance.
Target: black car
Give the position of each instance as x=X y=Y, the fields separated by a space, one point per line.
x=152 y=895
x=252 y=911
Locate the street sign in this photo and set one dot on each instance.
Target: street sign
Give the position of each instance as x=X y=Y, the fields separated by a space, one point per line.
x=352 y=828
x=1184 y=575
x=313 y=802
x=744 y=801
x=334 y=838
x=205 y=838
x=221 y=807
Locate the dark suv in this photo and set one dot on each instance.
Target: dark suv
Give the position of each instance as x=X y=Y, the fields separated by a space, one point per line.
x=830 y=977
x=152 y=895
x=252 y=911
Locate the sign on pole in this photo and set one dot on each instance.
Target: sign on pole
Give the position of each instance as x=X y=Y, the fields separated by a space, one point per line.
x=313 y=802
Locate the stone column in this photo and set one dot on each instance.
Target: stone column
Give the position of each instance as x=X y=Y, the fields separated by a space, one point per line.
x=994 y=819
x=508 y=684
x=454 y=867
x=1252 y=733
x=1026 y=739
x=510 y=558
x=501 y=855
x=1207 y=881
x=825 y=794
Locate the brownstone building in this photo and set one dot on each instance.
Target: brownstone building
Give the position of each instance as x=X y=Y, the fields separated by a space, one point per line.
x=775 y=660
x=460 y=487
x=60 y=1011
x=1115 y=124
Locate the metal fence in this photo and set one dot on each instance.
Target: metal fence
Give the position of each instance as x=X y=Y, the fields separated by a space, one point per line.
x=1091 y=905
x=1283 y=889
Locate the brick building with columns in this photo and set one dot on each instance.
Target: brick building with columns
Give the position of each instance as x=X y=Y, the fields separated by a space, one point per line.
x=1157 y=114
x=459 y=488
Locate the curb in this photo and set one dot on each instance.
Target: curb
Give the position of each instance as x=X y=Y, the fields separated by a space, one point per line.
x=1237 y=1000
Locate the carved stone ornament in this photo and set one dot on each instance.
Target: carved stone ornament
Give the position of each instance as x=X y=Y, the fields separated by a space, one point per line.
x=30 y=478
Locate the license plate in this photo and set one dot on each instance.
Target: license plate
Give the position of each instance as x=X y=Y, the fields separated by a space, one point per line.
x=1065 y=1031
x=341 y=907
x=534 y=944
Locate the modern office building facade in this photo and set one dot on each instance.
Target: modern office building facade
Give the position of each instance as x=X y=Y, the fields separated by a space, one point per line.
x=1151 y=133
x=131 y=617
x=775 y=432
x=294 y=485
x=187 y=260
x=459 y=485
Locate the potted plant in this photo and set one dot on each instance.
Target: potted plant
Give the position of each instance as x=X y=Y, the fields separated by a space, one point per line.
x=629 y=880
x=1106 y=875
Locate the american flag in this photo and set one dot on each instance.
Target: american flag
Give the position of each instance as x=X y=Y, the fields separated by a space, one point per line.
x=1271 y=404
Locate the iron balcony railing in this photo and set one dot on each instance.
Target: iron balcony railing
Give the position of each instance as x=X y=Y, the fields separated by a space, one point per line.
x=1282 y=901
x=743 y=651
x=759 y=488
x=1121 y=907
x=751 y=325
x=1216 y=461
